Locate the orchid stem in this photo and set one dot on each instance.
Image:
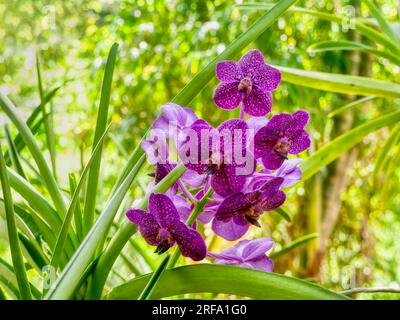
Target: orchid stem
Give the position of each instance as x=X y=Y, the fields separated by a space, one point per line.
x=198 y=208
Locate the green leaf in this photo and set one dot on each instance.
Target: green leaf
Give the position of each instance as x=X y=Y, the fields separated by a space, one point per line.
x=295 y=244
x=204 y=76
x=332 y=45
x=16 y=255
x=243 y=282
x=48 y=126
x=335 y=148
x=70 y=277
x=78 y=212
x=350 y=106
x=101 y=124
x=30 y=142
x=386 y=28
x=14 y=153
x=340 y=83
x=283 y=213
x=383 y=156
x=62 y=236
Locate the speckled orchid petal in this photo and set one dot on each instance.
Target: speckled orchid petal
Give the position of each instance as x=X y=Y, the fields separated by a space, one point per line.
x=147 y=224
x=267 y=78
x=251 y=62
x=227 y=71
x=163 y=209
x=225 y=181
x=231 y=229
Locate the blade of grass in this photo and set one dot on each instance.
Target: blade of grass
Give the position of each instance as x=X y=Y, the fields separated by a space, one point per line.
x=37 y=155
x=101 y=123
x=14 y=153
x=350 y=106
x=149 y=288
x=16 y=255
x=78 y=211
x=48 y=127
x=59 y=247
x=295 y=244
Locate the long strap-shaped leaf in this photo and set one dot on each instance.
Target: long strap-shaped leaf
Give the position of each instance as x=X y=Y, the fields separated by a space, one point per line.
x=225 y=279
x=37 y=155
x=16 y=255
x=184 y=97
x=340 y=83
x=101 y=123
x=71 y=209
x=335 y=148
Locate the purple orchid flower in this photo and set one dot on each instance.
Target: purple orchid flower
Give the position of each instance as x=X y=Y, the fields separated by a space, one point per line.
x=284 y=134
x=249 y=81
x=289 y=171
x=238 y=211
x=224 y=177
x=161 y=227
x=248 y=254
x=172 y=113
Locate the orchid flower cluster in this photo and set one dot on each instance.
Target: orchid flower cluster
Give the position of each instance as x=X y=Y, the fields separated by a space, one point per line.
x=244 y=161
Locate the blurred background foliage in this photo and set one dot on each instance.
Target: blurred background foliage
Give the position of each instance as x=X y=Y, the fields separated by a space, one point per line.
x=162 y=45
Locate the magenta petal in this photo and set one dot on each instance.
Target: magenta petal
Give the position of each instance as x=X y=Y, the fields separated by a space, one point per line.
x=300 y=142
x=227 y=71
x=251 y=62
x=193 y=179
x=301 y=118
x=148 y=228
x=229 y=230
x=163 y=209
x=267 y=78
x=225 y=181
x=271 y=201
x=257 y=103
x=227 y=95
x=136 y=215
x=256 y=123
x=190 y=242
x=290 y=172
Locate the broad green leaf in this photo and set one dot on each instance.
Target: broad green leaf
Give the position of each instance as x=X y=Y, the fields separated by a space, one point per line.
x=243 y=282
x=62 y=236
x=295 y=244
x=332 y=45
x=71 y=275
x=101 y=124
x=338 y=146
x=340 y=83
x=30 y=142
x=15 y=248
x=350 y=106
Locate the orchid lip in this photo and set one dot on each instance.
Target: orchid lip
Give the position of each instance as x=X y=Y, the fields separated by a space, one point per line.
x=281 y=154
x=163 y=247
x=252 y=221
x=245 y=85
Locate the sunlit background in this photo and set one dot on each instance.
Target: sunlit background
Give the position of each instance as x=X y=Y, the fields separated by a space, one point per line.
x=162 y=44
